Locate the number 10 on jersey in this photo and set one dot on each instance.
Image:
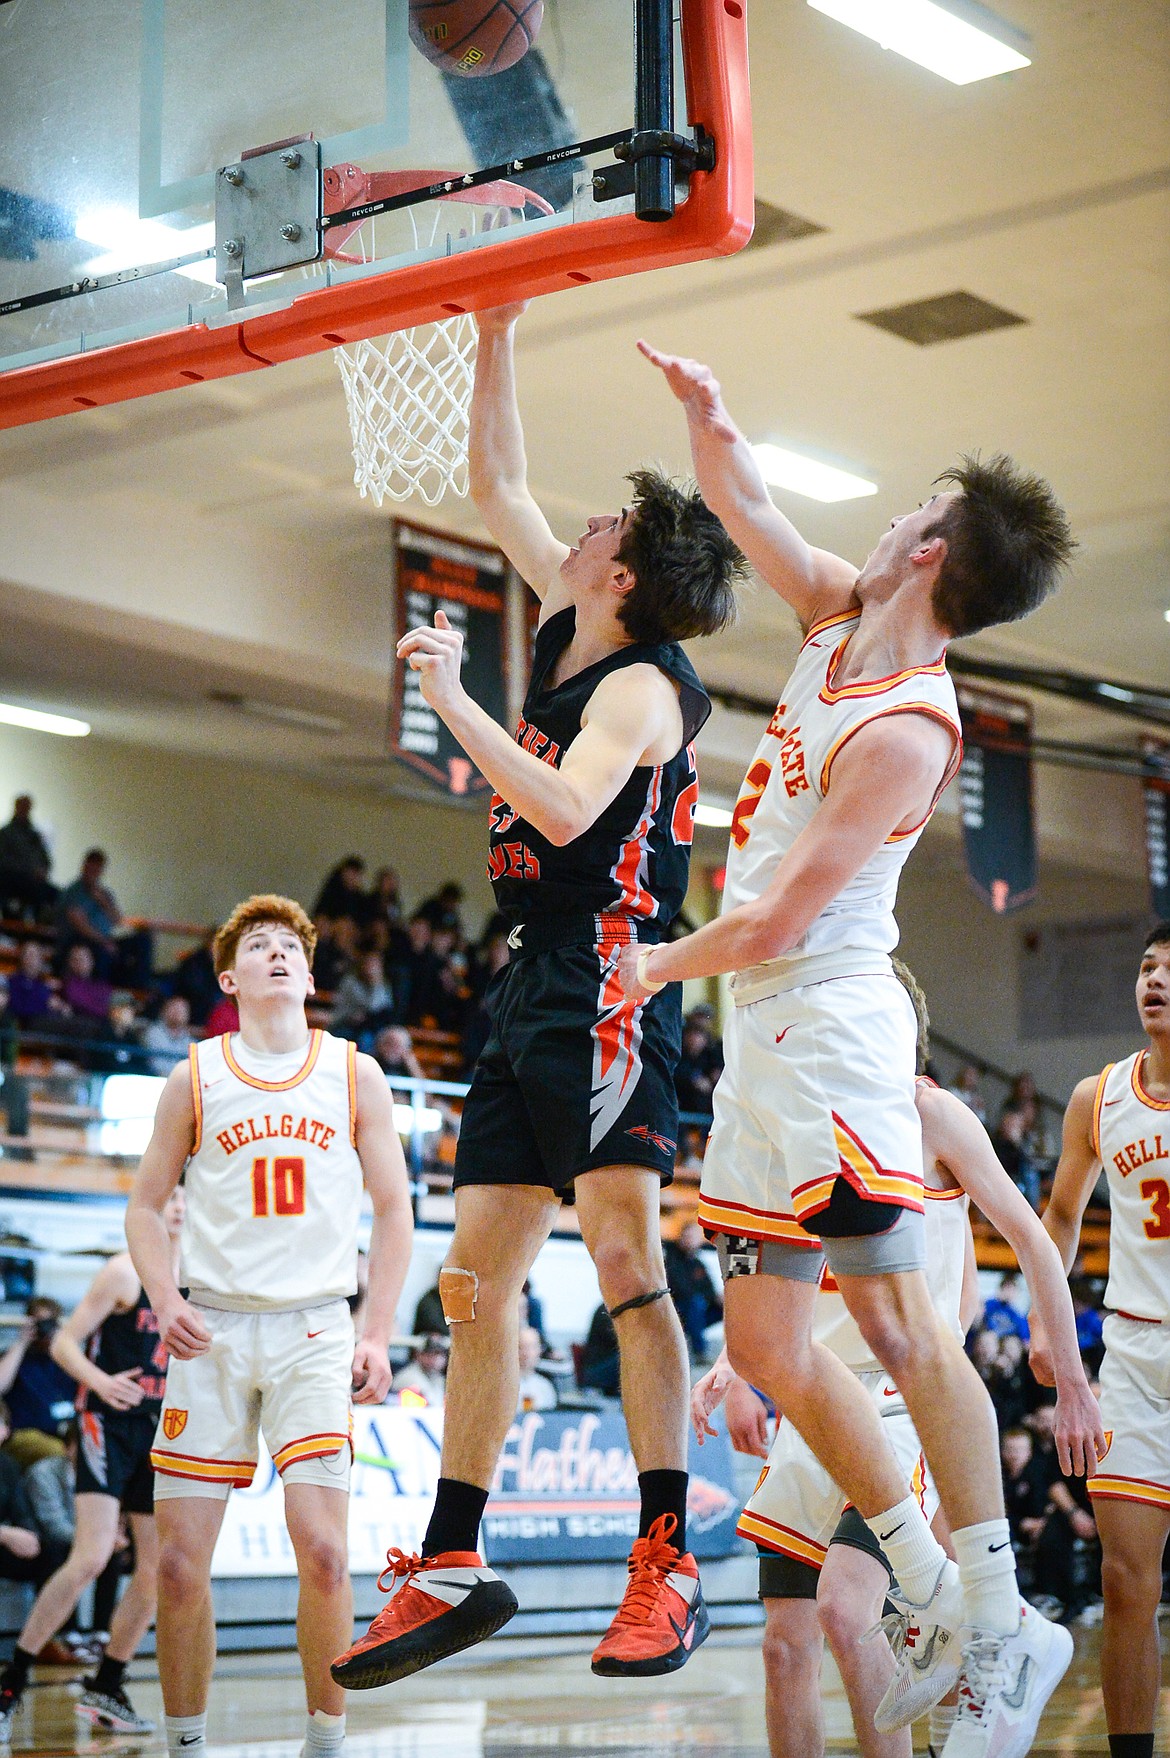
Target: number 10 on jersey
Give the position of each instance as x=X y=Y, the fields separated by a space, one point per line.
x=286 y=1188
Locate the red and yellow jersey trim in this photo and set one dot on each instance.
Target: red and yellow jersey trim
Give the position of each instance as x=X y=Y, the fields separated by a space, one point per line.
x=931 y=712
x=275 y=1086
x=770 y=1535
x=351 y=1085
x=875 y=686
x=934 y=1195
x=864 y=1172
x=196 y=1098
x=839 y=617
x=1140 y=1091
x=1098 y=1101
x=310 y=1446
x=1129 y=1489
x=237 y=1472
x=718 y=1215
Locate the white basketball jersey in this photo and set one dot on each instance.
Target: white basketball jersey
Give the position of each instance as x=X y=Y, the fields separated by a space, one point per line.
x=946 y=1254
x=274 y=1183
x=1131 y=1133
x=792 y=770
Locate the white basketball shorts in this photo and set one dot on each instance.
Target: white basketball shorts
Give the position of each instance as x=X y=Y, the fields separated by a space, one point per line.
x=1135 y=1413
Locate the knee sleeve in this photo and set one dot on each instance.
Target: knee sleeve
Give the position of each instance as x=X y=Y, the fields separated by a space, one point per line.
x=457 y=1292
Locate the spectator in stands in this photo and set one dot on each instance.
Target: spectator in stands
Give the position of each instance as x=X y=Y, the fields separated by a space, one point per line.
x=335 y=954
x=168 y=1038
x=224 y=1017
x=343 y=895
x=689 y=1158
x=31 y=998
x=20 y=1548
x=429 y=1315
x=489 y=957
x=446 y=999
x=1090 y=1319
x=968 y=1086
x=386 y=901
x=24 y=864
x=364 y=1001
x=416 y=976
x=118 y=1049
x=13 y=1086
x=696 y=1300
x=535 y=1390
x=196 y=981
x=600 y=1366
x=1025 y=1487
x=394 y=1053
x=699 y=1065
x=426 y=1371
x=1004 y=1313
x=1013 y=1138
x=86 y=995
x=51 y=1484
x=88 y=914
x=41 y=1396
x=443 y=907
x=1067 y=1575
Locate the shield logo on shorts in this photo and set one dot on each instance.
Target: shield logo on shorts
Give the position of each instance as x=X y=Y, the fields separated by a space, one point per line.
x=173 y=1423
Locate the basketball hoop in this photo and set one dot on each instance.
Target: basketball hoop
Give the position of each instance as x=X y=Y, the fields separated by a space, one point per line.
x=409 y=393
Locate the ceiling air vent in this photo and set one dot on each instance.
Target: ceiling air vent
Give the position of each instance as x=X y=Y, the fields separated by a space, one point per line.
x=945 y=318
x=777 y=226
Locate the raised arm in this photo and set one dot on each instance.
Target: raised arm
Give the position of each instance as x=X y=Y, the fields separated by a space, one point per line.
x=497 y=463
x=384 y=1171
x=159 y=1171
x=954 y=1135
x=815 y=583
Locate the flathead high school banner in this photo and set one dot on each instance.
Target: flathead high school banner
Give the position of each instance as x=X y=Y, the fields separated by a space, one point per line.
x=995 y=798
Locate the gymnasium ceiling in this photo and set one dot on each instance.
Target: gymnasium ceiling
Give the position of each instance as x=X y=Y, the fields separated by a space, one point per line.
x=212 y=538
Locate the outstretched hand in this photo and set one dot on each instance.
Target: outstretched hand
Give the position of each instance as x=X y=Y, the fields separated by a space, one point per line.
x=696 y=388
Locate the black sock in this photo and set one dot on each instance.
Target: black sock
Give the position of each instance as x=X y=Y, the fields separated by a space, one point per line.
x=15 y=1675
x=664 y=1492
x=1131 y=1746
x=109 y=1676
x=455 y=1517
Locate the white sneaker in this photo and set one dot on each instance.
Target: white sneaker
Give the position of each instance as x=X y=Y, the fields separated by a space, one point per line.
x=1007 y=1680
x=924 y=1642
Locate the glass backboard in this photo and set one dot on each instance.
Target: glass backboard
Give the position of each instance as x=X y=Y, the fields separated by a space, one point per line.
x=123 y=117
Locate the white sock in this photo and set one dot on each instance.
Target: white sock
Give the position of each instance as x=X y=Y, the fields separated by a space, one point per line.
x=186 y=1735
x=942 y=1719
x=913 y=1552
x=987 y=1569
x=324 y=1735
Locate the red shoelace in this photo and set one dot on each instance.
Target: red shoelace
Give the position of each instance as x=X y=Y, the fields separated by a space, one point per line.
x=651 y=1560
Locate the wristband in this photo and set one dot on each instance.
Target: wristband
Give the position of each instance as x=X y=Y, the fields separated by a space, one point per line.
x=644 y=981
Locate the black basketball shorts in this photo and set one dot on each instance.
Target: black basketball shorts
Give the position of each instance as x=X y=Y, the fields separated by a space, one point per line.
x=573 y=1077
x=113 y=1457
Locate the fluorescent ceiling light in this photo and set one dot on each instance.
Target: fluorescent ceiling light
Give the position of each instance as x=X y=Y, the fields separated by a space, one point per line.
x=820 y=482
x=38 y=722
x=131 y=243
x=960 y=40
x=717 y=817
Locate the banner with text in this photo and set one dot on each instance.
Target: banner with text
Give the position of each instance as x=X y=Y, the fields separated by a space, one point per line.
x=566 y=1491
x=1156 y=791
x=469 y=582
x=995 y=798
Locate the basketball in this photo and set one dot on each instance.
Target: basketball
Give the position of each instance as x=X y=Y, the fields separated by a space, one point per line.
x=474 y=37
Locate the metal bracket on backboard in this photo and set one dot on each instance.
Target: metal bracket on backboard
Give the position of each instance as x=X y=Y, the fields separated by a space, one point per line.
x=686 y=155
x=268 y=210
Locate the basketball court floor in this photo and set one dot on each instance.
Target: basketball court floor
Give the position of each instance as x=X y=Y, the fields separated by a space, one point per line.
x=525 y=1696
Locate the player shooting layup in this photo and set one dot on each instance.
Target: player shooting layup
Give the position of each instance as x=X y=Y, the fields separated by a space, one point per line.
x=820 y=1565
x=589 y=851
x=274 y=1130
x=815 y=1129
x=1121 y=1120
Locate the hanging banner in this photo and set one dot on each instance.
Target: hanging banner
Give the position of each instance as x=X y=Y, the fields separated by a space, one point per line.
x=995 y=798
x=469 y=582
x=1156 y=790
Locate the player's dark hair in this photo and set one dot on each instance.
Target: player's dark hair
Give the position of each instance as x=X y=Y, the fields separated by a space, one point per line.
x=913 y=988
x=1008 y=540
x=1159 y=935
x=684 y=564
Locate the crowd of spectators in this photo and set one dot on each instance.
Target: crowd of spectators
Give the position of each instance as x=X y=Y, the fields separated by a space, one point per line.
x=1019 y=1133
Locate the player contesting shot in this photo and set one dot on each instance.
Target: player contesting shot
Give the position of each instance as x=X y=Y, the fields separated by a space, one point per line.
x=589 y=850
x=816 y=1136
x=274 y=1130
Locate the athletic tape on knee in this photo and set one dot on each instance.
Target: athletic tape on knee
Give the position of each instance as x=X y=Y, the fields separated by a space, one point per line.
x=457 y=1292
x=638 y=1300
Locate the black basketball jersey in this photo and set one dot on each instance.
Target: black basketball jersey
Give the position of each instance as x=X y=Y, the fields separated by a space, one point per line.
x=634 y=860
x=130 y=1339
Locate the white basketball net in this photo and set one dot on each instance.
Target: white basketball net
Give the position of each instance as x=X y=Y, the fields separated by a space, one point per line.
x=409 y=393
x=408 y=397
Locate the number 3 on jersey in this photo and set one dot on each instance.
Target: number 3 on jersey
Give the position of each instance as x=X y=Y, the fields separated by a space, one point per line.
x=288 y=1186
x=754 y=783
x=1157 y=1193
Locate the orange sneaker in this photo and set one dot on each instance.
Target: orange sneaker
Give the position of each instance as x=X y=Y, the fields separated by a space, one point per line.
x=662 y=1618
x=445 y=1603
